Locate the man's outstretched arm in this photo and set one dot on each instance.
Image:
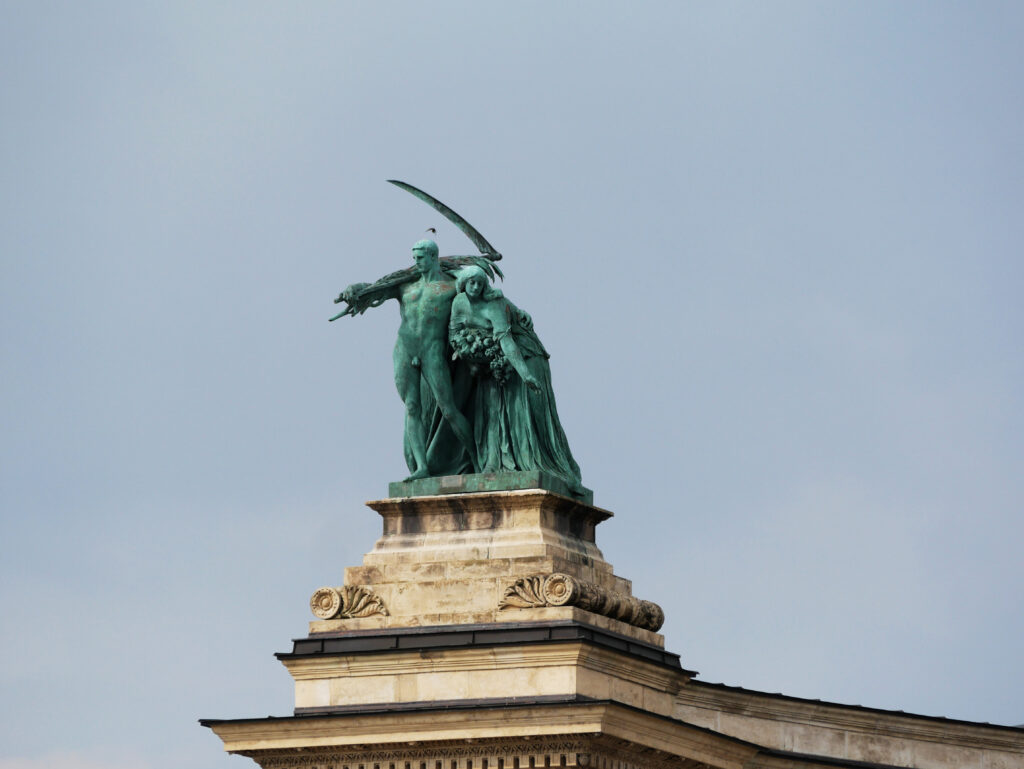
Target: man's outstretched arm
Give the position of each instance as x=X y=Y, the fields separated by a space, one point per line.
x=362 y=296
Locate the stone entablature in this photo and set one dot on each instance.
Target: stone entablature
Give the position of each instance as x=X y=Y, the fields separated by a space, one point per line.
x=442 y=754
x=598 y=735
x=589 y=753
x=477 y=663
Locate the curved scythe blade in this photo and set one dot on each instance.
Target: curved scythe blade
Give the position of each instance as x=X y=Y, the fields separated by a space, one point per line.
x=486 y=249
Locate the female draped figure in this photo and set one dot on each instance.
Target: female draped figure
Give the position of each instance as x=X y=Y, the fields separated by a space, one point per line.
x=512 y=410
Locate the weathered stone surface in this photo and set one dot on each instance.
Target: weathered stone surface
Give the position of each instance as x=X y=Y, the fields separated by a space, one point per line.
x=363 y=575
x=491 y=520
x=875 y=748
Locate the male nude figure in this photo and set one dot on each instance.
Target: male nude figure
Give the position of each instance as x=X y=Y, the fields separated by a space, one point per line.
x=421 y=353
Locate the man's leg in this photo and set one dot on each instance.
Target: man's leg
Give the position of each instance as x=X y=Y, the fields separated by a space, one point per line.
x=407 y=380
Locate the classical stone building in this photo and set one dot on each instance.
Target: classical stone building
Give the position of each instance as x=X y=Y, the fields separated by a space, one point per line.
x=485 y=630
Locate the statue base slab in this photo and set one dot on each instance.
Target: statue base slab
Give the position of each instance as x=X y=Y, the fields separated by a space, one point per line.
x=507 y=480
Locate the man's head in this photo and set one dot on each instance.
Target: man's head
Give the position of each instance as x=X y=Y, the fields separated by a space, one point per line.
x=424 y=254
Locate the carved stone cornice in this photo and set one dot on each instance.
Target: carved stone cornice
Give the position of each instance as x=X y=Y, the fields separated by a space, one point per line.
x=594 y=752
x=475 y=753
x=596 y=734
x=565 y=590
x=345 y=602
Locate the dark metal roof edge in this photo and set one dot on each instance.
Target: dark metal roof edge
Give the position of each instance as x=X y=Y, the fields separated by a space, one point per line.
x=469 y=626
x=466 y=704
x=865 y=708
x=496 y=635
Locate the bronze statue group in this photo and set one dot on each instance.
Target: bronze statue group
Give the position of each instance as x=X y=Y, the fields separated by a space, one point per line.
x=470 y=369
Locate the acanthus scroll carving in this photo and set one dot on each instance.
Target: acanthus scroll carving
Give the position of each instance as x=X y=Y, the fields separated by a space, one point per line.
x=565 y=590
x=345 y=602
x=524 y=593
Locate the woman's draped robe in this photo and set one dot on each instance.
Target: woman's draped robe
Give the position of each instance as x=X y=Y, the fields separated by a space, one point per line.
x=515 y=427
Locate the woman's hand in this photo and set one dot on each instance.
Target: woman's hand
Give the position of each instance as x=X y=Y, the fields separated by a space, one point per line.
x=531 y=382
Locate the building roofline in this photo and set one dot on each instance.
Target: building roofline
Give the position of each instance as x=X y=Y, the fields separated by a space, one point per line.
x=862 y=708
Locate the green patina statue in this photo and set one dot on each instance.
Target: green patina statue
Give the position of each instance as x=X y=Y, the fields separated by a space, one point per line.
x=420 y=357
x=515 y=422
x=471 y=371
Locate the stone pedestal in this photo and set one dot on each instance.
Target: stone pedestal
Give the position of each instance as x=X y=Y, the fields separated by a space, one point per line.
x=482 y=597
x=451 y=559
x=483 y=631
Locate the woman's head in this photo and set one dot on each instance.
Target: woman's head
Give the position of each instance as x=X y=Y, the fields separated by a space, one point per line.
x=473 y=281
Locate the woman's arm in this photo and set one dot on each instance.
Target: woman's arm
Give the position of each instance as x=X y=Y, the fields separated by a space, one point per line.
x=521 y=316
x=499 y=318
x=460 y=312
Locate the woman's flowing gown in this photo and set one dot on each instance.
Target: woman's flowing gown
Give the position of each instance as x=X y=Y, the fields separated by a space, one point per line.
x=516 y=428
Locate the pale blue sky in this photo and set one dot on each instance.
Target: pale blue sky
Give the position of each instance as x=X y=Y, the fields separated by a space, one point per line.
x=774 y=250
